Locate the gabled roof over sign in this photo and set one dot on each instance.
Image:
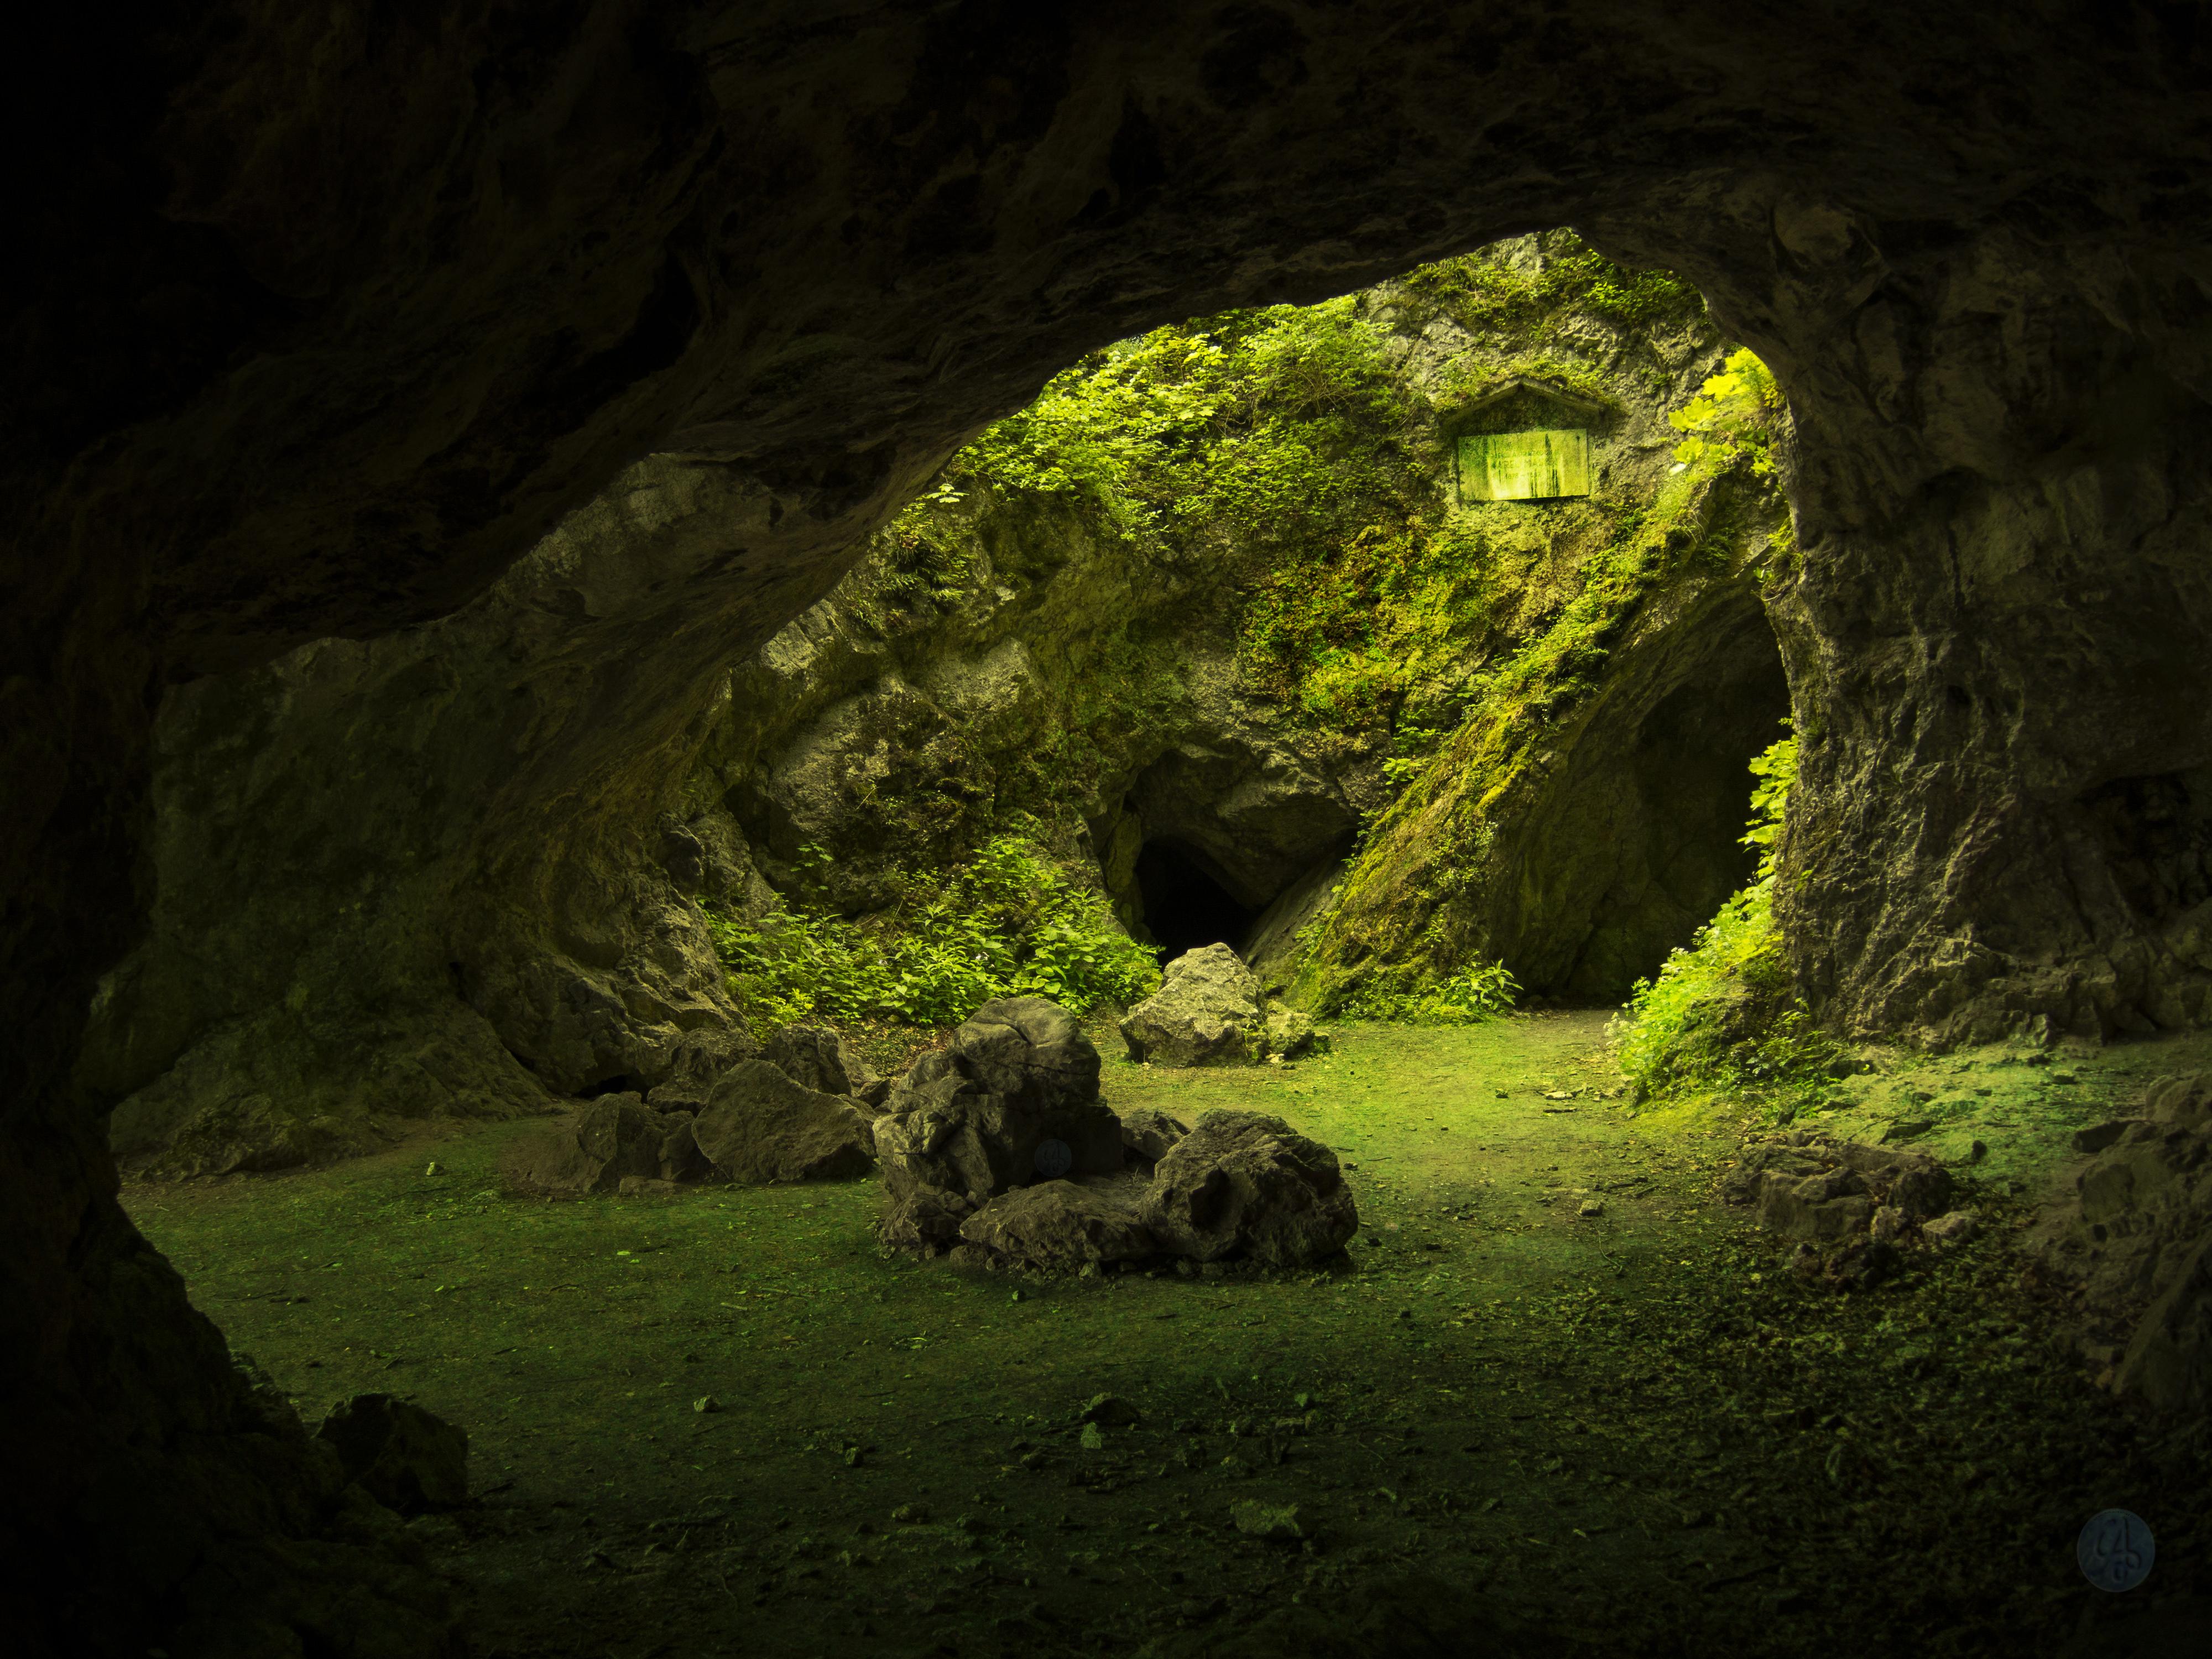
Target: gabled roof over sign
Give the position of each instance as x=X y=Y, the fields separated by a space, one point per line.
x=1498 y=391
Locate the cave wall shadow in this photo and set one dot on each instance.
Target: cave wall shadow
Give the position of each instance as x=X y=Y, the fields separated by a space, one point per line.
x=1185 y=905
x=306 y=366
x=1638 y=841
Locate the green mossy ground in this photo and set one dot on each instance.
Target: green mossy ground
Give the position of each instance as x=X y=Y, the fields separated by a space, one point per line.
x=1634 y=1429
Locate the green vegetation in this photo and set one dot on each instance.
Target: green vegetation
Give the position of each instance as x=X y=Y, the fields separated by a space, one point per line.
x=1483 y=293
x=1282 y=471
x=1640 y=1423
x=1405 y=917
x=1736 y=416
x=1471 y=995
x=1724 y=1013
x=1008 y=922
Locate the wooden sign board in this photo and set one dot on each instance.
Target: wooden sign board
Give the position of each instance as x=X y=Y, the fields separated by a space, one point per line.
x=1523 y=466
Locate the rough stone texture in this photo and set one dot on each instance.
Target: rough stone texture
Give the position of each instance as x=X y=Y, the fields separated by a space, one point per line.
x=1291 y=1033
x=1030 y=1050
x=1247 y=1184
x=1207 y=1011
x=1827 y=1191
x=609 y=1147
x=895 y=730
x=818 y=1058
x=1148 y=1132
x=1058 y=1226
x=967 y=1121
x=2168 y=1362
x=408 y=1459
x=696 y=1065
x=321 y=321
x=759 y=1126
x=2131 y=1244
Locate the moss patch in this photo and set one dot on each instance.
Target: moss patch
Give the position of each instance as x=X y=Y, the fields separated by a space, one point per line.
x=1631 y=1426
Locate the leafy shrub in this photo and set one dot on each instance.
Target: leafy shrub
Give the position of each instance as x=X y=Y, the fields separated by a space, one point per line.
x=1008 y=922
x=1724 y=1013
x=1467 y=997
x=1736 y=415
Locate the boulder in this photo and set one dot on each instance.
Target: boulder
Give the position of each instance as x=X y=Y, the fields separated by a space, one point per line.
x=620 y=1136
x=980 y=1145
x=1148 y=1134
x=681 y=1160
x=1825 y=1191
x=1012 y=1100
x=1951 y=1228
x=2133 y=1245
x=1030 y=1050
x=924 y=1219
x=817 y=1058
x=2181 y=1102
x=1243 y=1183
x=760 y=1126
x=2168 y=1364
x=1290 y=1035
x=695 y=1065
x=406 y=1458
x=1207 y=1011
x=1058 y=1226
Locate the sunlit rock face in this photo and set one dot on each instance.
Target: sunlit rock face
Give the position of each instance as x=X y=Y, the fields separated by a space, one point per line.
x=318 y=323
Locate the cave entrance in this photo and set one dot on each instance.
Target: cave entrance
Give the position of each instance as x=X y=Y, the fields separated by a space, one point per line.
x=1186 y=905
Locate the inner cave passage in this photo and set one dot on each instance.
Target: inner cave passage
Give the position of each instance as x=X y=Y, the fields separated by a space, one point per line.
x=1185 y=907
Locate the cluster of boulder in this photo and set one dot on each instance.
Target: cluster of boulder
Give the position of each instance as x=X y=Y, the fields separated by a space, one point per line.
x=803 y=1110
x=1210 y=1011
x=1854 y=1209
x=2133 y=1246
x=997 y=1151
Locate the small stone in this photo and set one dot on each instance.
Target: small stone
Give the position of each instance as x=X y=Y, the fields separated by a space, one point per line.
x=1953 y=1228
x=1109 y=1411
x=435 y=1168
x=1253 y=1519
x=1591 y=1207
x=705 y=1403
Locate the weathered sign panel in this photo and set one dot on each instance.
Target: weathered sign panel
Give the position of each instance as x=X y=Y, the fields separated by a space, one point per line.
x=1523 y=466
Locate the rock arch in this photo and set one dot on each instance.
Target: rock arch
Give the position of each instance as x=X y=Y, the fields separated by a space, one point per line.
x=319 y=328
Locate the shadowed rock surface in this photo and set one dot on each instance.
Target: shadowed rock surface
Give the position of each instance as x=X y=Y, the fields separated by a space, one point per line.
x=1247 y=1184
x=406 y=1458
x=322 y=323
x=759 y=1125
x=2131 y=1248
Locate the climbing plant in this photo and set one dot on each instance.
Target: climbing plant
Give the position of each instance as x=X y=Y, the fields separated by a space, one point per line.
x=1724 y=1011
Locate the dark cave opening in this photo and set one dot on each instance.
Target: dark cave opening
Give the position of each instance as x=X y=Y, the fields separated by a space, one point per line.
x=1186 y=906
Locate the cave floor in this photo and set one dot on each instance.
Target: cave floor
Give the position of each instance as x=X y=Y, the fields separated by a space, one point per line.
x=1632 y=1432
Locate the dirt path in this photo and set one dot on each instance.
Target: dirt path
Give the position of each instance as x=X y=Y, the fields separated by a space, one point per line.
x=1628 y=1430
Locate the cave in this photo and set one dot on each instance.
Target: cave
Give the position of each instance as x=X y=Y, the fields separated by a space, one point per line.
x=1185 y=905
x=483 y=389
x=1642 y=839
